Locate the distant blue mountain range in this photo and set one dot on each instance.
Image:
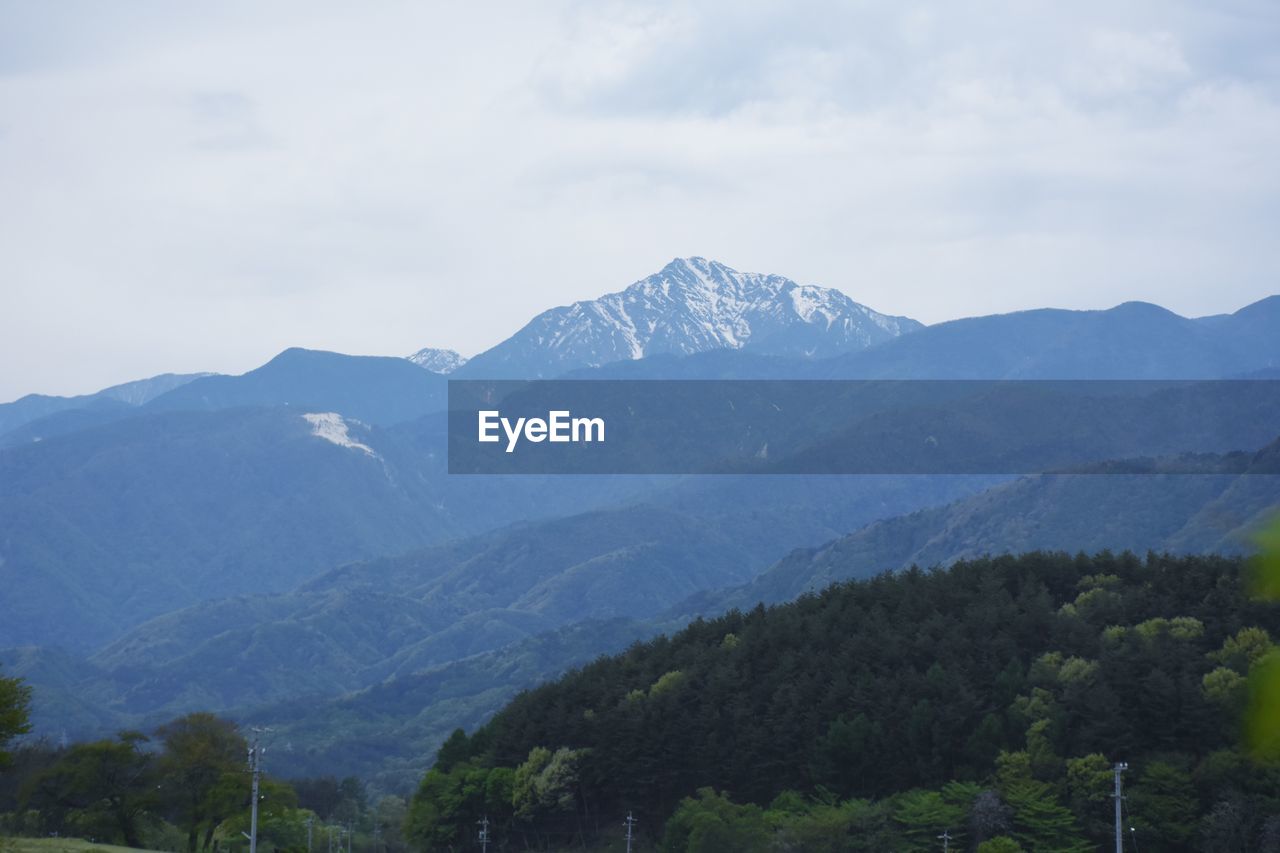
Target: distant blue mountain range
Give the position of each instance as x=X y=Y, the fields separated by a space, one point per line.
x=158 y=531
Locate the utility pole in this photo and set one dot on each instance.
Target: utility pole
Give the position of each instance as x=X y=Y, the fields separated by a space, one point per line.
x=945 y=838
x=630 y=824
x=1118 y=769
x=350 y=836
x=310 y=818
x=484 y=834
x=255 y=766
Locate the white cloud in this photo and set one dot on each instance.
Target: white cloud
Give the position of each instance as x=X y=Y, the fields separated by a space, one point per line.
x=200 y=189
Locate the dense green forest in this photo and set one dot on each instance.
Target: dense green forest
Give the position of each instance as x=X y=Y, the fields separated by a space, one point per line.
x=186 y=788
x=985 y=703
x=988 y=701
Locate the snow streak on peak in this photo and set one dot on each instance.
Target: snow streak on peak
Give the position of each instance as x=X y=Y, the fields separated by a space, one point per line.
x=331 y=427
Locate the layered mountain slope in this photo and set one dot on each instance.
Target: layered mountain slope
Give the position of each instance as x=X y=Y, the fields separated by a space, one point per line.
x=692 y=305
x=372 y=389
x=355 y=626
x=1120 y=506
x=1135 y=340
x=358 y=624
x=131 y=394
x=118 y=524
x=105 y=528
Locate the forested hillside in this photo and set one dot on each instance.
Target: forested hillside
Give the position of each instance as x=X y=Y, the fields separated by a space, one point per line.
x=989 y=700
x=1123 y=504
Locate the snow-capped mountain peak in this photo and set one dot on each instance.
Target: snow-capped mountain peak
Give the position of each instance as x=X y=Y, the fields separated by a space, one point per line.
x=438 y=360
x=691 y=305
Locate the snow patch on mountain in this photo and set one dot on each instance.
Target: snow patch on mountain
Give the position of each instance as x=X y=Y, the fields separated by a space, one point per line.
x=332 y=428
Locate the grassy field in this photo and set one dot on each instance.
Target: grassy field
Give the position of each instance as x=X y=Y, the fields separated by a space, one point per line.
x=58 y=845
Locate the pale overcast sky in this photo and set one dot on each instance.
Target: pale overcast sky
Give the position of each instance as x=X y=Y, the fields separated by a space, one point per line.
x=196 y=186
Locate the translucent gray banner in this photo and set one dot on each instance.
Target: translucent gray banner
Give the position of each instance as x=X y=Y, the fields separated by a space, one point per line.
x=860 y=427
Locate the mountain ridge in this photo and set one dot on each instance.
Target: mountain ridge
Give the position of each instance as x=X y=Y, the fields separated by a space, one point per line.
x=138 y=392
x=1132 y=340
x=379 y=390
